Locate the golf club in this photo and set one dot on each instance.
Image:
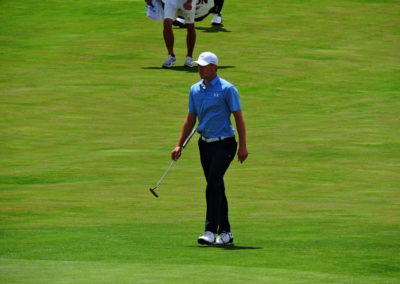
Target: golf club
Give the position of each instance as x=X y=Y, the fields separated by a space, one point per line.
x=152 y=189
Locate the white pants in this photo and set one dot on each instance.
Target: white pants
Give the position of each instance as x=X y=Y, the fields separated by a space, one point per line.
x=170 y=12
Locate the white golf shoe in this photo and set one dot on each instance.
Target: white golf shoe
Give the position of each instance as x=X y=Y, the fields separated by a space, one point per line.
x=189 y=61
x=217 y=20
x=208 y=238
x=169 y=62
x=226 y=238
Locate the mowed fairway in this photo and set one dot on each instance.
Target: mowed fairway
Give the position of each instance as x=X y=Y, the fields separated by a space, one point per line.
x=88 y=120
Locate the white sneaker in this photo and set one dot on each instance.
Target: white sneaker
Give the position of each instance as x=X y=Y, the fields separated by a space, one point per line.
x=189 y=61
x=208 y=238
x=226 y=238
x=171 y=60
x=217 y=20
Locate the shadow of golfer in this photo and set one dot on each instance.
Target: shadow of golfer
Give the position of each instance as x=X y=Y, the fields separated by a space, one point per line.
x=229 y=247
x=212 y=29
x=175 y=68
x=184 y=68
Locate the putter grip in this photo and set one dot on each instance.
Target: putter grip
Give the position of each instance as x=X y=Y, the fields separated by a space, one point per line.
x=189 y=137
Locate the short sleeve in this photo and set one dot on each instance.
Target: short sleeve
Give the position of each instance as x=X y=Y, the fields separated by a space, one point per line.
x=192 y=109
x=233 y=99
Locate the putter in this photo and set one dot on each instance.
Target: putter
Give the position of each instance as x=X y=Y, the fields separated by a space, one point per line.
x=152 y=189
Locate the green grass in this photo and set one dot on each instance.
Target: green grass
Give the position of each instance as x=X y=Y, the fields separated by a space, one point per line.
x=88 y=119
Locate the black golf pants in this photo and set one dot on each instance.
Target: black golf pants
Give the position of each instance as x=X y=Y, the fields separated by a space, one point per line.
x=218 y=6
x=215 y=158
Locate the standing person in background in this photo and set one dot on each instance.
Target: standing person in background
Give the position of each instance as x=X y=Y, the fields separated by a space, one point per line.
x=187 y=10
x=213 y=100
x=217 y=19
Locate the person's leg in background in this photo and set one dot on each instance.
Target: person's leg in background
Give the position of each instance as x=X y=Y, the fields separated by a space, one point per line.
x=169 y=16
x=217 y=19
x=190 y=42
x=191 y=34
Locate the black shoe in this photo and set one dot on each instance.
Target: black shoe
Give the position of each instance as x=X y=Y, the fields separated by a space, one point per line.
x=179 y=23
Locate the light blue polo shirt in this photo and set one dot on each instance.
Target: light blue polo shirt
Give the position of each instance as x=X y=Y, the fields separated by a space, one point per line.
x=213 y=106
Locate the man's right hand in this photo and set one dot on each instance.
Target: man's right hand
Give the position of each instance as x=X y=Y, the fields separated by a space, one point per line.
x=188 y=5
x=176 y=153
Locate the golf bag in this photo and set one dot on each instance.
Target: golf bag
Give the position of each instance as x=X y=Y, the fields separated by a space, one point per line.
x=203 y=9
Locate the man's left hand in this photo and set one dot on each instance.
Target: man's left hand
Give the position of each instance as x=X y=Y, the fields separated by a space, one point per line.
x=242 y=154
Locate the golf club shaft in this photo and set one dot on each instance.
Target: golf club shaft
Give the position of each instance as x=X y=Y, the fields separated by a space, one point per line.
x=173 y=161
x=158 y=183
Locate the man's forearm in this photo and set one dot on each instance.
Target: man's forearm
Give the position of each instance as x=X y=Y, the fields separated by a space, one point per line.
x=241 y=128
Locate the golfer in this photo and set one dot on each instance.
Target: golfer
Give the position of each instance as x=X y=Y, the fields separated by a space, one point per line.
x=187 y=9
x=213 y=100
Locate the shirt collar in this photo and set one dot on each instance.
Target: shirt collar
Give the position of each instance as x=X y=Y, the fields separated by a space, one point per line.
x=212 y=83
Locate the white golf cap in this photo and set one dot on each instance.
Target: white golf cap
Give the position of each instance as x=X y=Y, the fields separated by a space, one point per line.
x=206 y=58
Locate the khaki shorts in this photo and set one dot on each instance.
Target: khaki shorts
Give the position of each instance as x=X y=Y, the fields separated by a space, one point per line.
x=171 y=12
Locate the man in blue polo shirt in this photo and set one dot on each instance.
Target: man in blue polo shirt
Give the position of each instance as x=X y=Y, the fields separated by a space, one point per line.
x=213 y=100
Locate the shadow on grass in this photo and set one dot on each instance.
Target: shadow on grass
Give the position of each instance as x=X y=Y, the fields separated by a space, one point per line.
x=184 y=68
x=229 y=247
x=213 y=29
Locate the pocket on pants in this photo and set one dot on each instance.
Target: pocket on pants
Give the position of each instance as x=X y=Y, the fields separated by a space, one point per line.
x=230 y=147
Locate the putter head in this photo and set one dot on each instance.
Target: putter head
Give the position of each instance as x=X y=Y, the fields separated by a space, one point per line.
x=152 y=191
